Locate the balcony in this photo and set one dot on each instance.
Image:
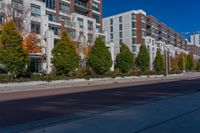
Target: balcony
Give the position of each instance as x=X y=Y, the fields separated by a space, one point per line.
x=82 y=6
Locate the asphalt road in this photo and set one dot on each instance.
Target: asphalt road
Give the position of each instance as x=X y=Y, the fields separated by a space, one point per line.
x=19 y=111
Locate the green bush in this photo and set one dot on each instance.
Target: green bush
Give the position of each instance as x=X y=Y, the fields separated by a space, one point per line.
x=143 y=59
x=181 y=62
x=158 y=62
x=190 y=62
x=100 y=59
x=12 y=54
x=124 y=59
x=65 y=57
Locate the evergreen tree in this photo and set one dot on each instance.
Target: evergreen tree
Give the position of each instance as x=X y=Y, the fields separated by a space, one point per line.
x=143 y=59
x=181 y=62
x=65 y=57
x=190 y=62
x=12 y=54
x=124 y=59
x=100 y=58
x=158 y=62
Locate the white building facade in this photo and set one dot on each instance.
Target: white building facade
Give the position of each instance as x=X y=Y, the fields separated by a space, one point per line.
x=195 y=39
x=82 y=20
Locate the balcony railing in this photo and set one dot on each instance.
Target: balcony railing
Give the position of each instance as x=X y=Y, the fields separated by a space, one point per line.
x=82 y=4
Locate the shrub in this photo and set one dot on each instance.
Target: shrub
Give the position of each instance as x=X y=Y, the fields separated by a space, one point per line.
x=100 y=59
x=143 y=59
x=158 y=62
x=12 y=54
x=65 y=57
x=124 y=59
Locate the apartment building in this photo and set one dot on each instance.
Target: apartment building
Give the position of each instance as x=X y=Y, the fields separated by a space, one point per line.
x=128 y=28
x=195 y=38
x=134 y=28
x=81 y=19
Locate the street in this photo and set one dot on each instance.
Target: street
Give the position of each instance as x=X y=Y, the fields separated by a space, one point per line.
x=17 y=115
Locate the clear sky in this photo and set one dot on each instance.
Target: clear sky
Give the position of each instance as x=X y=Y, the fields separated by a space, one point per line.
x=181 y=15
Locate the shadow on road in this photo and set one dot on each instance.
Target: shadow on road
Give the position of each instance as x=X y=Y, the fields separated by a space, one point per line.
x=33 y=109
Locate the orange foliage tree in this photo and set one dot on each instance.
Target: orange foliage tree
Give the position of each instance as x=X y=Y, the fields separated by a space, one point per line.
x=174 y=63
x=30 y=43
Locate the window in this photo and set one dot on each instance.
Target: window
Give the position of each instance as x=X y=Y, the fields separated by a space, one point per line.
x=133 y=16
x=120 y=19
x=120 y=27
x=90 y=25
x=134 y=48
x=143 y=25
x=90 y=38
x=111 y=29
x=120 y=35
x=51 y=4
x=95 y=6
x=133 y=25
x=133 y=40
x=120 y=41
x=111 y=21
x=64 y=7
x=143 y=33
x=51 y=16
x=35 y=27
x=111 y=37
x=80 y=22
x=97 y=18
x=55 y=29
x=133 y=32
x=35 y=10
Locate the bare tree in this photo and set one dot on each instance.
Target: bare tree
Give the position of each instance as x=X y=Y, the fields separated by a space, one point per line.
x=18 y=13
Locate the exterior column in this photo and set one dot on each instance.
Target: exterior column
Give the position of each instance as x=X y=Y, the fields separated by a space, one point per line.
x=49 y=47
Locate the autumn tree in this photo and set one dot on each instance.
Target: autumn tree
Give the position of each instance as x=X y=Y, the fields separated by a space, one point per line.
x=31 y=44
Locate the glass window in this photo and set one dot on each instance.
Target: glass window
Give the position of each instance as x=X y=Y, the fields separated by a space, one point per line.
x=134 y=48
x=133 y=40
x=120 y=27
x=64 y=7
x=51 y=16
x=35 y=10
x=111 y=28
x=120 y=19
x=133 y=25
x=111 y=21
x=80 y=22
x=95 y=6
x=51 y=4
x=133 y=16
x=55 y=29
x=133 y=32
x=120 y=35
x=90 y=25
x=35 y=27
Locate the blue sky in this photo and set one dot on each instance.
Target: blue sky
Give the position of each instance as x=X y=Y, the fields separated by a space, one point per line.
x=181 y=15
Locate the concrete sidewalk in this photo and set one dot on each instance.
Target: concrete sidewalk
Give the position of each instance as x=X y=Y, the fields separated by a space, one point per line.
x=174 y=115
x=43 y=85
